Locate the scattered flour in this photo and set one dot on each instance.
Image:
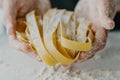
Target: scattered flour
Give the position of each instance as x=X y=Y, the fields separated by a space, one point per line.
x=61 y=74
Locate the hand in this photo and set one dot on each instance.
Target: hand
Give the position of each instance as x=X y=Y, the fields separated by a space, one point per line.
x=15 y=9
x=101 y=14
x=99 y=43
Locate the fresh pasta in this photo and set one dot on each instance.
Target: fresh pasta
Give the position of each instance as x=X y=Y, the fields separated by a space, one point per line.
x=58 y=37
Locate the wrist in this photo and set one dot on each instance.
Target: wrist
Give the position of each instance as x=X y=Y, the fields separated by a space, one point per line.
x=117 y=3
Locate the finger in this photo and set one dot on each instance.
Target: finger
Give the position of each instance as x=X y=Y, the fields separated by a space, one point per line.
x=25 y=48
x=100 y=41
x=35 y=56
x=9 y=18
x=10 y=22
x=42 y=6
x=24 y=9
x=19 y=45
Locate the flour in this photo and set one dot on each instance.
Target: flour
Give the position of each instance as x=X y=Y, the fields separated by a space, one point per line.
x=2 y=29
x=100 y=72
x=16 y=65
x=1 y=61
x=50 y=74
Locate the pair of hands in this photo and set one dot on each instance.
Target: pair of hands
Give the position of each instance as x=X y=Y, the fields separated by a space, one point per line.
x=100 y=12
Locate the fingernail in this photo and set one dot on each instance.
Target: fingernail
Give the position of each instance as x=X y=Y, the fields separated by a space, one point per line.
x=112 y=25
x=64 y=65
x=27 y=48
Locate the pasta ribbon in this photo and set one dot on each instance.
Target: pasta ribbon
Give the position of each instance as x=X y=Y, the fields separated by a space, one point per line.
x=57 y=38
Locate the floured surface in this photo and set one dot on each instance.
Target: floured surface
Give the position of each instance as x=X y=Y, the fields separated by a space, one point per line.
x=15 y=65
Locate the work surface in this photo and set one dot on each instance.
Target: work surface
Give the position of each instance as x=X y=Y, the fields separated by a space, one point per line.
x=15 y=65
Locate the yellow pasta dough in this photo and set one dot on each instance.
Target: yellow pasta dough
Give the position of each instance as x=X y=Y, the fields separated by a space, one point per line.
x=59 y=37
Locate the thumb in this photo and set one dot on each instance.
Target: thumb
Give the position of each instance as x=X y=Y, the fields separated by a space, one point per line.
x=10 y=13
x=10 y=23
x=107 y=11
x=107 y=23
x=9 y=18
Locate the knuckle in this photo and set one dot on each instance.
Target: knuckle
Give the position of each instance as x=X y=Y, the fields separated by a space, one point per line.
x=101 y=44
x=10 y=31
x=26 y=48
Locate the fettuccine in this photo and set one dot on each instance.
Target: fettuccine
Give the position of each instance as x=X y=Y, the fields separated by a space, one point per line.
x=57 y=38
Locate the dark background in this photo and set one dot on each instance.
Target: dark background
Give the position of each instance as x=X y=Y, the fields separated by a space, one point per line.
x=64 y=4
x=70 y=5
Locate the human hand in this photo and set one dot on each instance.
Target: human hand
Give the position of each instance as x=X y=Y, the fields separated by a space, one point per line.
x=16 y=9
x=98 y=44
x=101 y=14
